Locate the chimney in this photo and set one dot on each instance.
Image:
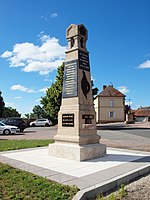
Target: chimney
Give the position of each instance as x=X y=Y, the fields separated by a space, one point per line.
x=104 y=86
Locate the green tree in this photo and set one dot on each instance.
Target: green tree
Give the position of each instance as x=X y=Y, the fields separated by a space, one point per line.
x=94 y=90
x=39 y=112
x=10 y=112
x=2 y=104
x=52 y=101
x=27 y=116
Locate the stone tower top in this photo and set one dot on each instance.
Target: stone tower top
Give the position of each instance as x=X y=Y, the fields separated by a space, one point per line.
x=77 y=36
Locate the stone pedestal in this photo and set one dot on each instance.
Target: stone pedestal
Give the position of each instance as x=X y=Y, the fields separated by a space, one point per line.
x=77 y=134
x=77 y=152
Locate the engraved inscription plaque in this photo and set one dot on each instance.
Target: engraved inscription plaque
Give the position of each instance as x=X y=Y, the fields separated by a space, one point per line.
x=70 y=79
x=84 y=60
x=88 y=118
x=68 y=120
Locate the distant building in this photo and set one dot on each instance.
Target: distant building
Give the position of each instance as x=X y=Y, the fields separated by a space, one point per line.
x=142 y=114
x=110 y=105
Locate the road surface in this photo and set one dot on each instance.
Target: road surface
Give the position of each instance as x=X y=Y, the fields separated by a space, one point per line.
x=129 y=138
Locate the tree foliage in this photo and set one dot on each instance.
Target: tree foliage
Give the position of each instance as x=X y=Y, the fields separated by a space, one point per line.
x=7 y=111
x=10 y=112
x=2 y=104
x=127 y=108
x=94 y=90
x=39 y=112
x=52 y=101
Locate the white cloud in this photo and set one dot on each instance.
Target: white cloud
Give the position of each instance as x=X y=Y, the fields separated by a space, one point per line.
x=92 y=78
x=9 y=104
x=44 y=17
x=147 y=55
x=38 y=100
x=47 y=16
x=25 y=89
x=18 y=97
x=53 y=15
x=48 y=80
x=43 y=90
x=123 y=89
x=42 y=67
x=7 y=54
x=144 y=65
x=22 y=88
x=34 y=58
x=135 y=107
x=127 y=102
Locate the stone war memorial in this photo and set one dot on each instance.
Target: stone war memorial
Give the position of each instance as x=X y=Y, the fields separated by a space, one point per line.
x=77 y=137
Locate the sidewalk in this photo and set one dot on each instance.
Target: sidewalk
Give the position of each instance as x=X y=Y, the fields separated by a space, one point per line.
x=92 y=177
x=124 y=125
x=141 y=125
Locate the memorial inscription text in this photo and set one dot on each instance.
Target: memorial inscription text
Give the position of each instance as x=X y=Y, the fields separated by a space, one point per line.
x=68 y=120
x=84 y=60
x=88 y=118
x=70 y=79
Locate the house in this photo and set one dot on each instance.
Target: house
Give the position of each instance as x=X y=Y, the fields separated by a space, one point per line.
x=110 y=105
x=142 y=114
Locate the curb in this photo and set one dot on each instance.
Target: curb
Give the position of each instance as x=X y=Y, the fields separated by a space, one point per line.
x=111 y=184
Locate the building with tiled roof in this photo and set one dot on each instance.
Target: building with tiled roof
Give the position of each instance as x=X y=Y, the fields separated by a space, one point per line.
x=110 y=105
x=142 y=114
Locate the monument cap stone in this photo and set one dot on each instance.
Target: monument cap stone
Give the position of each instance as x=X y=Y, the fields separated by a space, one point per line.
x=77 y=36
x=74 y=30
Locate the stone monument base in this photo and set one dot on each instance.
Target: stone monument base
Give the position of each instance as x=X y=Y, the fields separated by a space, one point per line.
x=77 y=152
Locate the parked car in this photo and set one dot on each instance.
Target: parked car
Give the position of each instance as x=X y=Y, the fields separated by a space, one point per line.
x=41 y=122
x=6 y=129
x=15 y=121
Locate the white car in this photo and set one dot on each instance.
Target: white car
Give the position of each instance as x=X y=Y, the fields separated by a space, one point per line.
x=41 y=122
x=6 y=129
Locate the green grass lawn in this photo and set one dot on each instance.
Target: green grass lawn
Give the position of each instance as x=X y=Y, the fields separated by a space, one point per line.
x=20 y=185
x=6 y=145
x=16 y=184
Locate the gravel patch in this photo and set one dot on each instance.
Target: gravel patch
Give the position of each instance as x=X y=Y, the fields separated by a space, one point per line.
x=139 y=189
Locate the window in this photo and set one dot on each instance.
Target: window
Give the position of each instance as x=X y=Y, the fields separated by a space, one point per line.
x=111 y=103
x=1 y=124
x=10 y=120
x=112 y=114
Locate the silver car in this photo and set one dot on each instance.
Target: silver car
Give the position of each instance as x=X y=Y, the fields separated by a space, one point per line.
x=41 y=122
x=6 y=129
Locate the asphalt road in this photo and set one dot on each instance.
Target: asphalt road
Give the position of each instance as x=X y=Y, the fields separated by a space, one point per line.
x=33 y=133
x=129 y=138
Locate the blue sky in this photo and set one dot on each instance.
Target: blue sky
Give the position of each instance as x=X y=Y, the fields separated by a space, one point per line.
x=33 y=44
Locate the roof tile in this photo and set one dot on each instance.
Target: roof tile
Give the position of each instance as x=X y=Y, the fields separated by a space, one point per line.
x=111 y=91
x=142 y=113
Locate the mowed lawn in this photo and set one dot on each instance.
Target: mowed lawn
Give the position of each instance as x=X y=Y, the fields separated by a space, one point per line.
x=6 y=145
x=16 y=184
